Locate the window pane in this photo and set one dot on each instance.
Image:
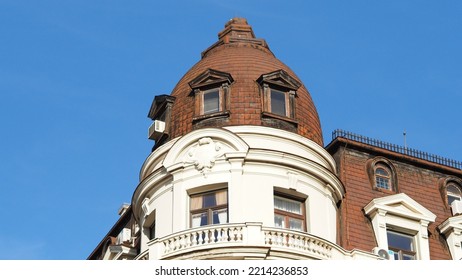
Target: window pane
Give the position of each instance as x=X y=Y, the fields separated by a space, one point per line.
x=452 y=198
x=408 y=257
x=291 y=206
x=382 y=183
x=196 y=202
x=211 y=102
x=295 y=224
x=279 y=221
x=221 y=197
x=152 y=231
x=220 y=216
x=199 y=220
x=381 y=171
x=400 y=241
x=395 y=254
x=453 y=192
x=209 y=200
x=278 y=102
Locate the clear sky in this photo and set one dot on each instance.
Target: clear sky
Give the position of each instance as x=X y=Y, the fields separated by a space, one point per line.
x=77 y=79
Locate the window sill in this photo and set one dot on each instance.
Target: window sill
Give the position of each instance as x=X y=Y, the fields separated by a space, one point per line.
x=384 y=190
x=269 y=115
x=223 y=114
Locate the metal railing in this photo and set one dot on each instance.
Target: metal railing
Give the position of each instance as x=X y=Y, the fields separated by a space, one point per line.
x=396 y=148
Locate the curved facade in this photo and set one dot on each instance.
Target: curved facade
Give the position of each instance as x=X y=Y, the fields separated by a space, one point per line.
x=244 y=162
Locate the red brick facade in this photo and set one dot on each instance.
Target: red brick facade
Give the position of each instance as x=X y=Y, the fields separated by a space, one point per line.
x=419 y=179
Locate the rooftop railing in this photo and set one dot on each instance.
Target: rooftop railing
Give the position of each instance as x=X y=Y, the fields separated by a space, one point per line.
x=396 y=148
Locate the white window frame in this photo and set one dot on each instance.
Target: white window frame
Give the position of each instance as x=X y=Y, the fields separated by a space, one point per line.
x=452 y=230
x=401 y=213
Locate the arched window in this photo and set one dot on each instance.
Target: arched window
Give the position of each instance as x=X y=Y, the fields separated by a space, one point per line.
x=453 y=192
x=383 y=178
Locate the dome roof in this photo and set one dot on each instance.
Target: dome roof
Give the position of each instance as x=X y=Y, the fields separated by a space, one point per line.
x=241 y=67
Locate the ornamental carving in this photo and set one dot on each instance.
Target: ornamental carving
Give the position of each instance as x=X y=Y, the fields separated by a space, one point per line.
x=204 y=154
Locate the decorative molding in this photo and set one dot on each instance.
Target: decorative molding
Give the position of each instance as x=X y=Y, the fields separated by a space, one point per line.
x=400 y=205
x=451 y=228
x=210 y=77
x=402 y=213
x=280 y=78
x=204 y=154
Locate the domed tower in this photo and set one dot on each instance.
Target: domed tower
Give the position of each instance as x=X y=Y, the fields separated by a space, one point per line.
x=238 y=169
x=238 y=81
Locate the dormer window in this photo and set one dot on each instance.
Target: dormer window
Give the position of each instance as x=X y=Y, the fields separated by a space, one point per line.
x=211 y=92
x=160 y=112
x=382 y=175
x=453 y=192
x=279 y=92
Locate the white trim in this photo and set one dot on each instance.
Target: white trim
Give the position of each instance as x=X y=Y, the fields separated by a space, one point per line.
x=452 y=230
x=262 y=133
x=403 y=214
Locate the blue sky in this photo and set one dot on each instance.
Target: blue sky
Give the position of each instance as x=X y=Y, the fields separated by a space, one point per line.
x=77 y=79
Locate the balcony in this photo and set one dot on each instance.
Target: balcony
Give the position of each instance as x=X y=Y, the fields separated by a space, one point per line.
x=246 y=241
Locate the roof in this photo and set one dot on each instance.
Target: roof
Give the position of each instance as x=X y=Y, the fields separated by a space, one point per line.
x=242 y=60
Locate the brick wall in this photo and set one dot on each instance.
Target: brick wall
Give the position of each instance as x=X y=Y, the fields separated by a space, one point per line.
x=414 y=178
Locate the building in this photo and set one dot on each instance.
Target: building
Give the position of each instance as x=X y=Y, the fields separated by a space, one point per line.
x=239 y=171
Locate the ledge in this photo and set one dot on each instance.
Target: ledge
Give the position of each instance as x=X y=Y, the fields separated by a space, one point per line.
x=269 y=115
x=223 y=114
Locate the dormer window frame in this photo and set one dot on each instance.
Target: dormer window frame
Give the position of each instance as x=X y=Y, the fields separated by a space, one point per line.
x=272 y=85
x=161 y=111
x=382 y=175
x=453 y=192
x=208 y=82
x=450 y=189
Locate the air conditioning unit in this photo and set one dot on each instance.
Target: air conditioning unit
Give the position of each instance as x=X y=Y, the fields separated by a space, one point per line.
x=382 y=253
x=124 y=236
x=456 y=207
x=156 y=129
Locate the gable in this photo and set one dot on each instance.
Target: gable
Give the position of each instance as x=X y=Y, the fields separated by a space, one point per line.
x=210 y=77
x=280 y=78
x=400 y=205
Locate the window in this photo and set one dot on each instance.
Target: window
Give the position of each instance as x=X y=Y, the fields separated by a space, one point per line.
x=211 y=101
x=149 y=225
x=279 y=93
x=453 y=193
x=209 y=208
x=402 y=245
x=383 y=177
x=289 y=213
x=393 y=217
x=278 y=102
x=152 y=230
x=160 y=112
x=211 y=90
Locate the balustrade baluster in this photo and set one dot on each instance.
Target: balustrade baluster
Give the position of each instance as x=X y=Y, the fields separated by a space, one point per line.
x=188 y=240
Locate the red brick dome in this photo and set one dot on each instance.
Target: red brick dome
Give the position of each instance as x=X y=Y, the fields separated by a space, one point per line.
x=239 y=81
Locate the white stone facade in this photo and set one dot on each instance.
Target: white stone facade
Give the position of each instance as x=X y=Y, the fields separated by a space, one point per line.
x=252 y=163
